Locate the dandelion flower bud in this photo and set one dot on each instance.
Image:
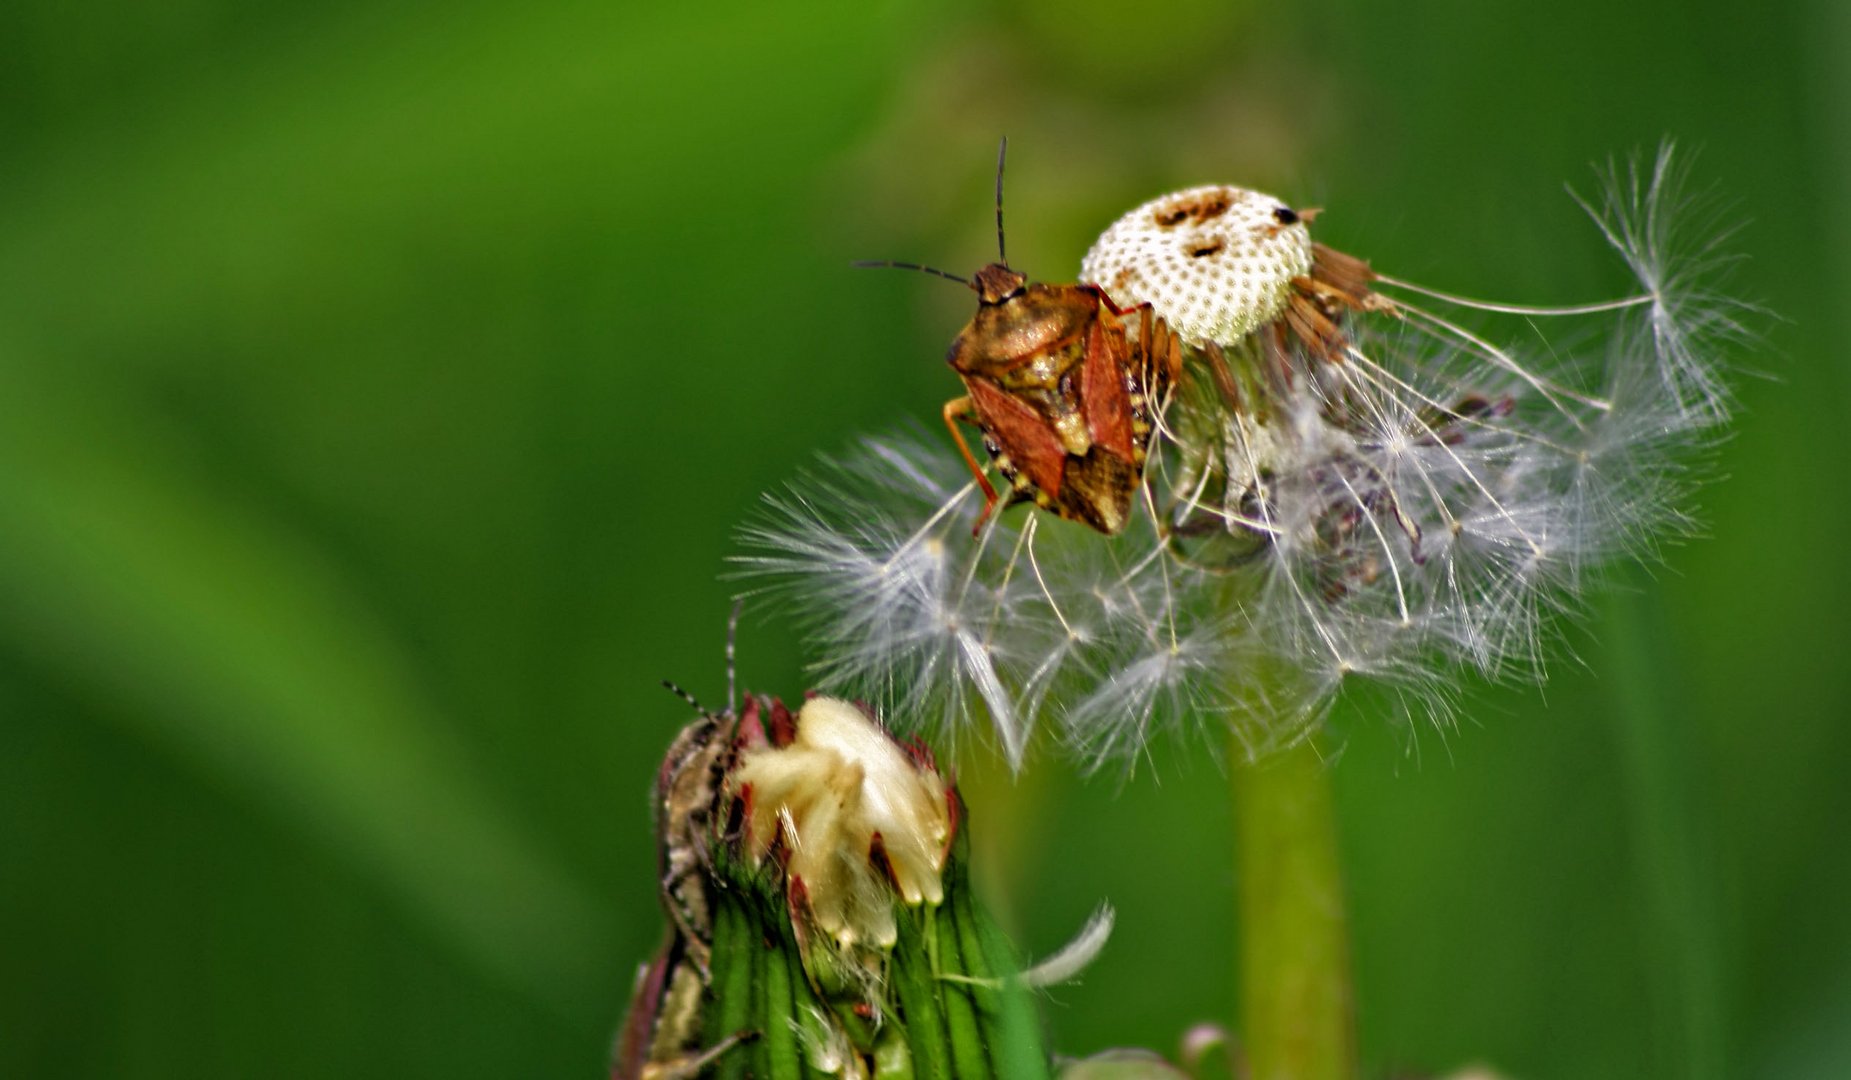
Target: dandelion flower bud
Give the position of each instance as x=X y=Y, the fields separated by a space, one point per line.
x=821 y=921
x=856 y=818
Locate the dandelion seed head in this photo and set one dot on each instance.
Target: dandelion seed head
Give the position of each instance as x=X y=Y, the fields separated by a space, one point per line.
x=1217 y=261
x=1358 y=483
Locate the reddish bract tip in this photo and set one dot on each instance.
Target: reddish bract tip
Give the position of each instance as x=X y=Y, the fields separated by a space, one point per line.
x=751 y=731
x=779 y=852
x=737 y=815
x=877 y=858
x=783 y=726
x=920 y=753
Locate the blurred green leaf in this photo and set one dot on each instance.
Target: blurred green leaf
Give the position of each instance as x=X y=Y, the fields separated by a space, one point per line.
x=239 y=649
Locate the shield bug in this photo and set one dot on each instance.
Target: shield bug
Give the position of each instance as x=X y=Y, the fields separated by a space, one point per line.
x=1064 y=386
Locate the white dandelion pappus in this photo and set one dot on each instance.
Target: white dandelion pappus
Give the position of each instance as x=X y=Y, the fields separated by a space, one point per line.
x=899 y=601
x=1351 y=485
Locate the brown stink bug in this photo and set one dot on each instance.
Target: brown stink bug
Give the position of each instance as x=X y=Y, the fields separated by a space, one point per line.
x=1063 y=386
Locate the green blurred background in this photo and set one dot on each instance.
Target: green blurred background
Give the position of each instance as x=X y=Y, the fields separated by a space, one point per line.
x=379 y=390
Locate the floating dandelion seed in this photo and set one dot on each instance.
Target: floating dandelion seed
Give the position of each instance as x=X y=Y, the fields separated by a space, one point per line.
x=1350 y=483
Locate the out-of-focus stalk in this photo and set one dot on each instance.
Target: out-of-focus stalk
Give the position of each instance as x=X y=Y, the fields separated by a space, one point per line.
x=1296 y=1015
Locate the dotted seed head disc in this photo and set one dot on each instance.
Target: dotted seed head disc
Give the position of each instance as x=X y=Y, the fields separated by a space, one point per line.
x=1216 y=262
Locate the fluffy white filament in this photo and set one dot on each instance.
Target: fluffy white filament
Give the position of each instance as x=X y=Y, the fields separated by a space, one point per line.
x=1417 y=506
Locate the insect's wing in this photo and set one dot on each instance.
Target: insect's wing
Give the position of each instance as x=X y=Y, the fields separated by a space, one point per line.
x=639 y=1026
x=1105 y=400
x=1098 y=490
x=1022 y=434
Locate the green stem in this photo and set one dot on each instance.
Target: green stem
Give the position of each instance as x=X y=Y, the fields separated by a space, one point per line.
x=1297 y=1020
x=1671 y=835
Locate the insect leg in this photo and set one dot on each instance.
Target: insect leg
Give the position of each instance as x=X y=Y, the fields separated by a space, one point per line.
x=732 y=671
x=689 y=921
x=960 y=408
x=1144 y=345
x=691 y=1066
x=1106 y=299
x=1170 y=364
x=1172 y=347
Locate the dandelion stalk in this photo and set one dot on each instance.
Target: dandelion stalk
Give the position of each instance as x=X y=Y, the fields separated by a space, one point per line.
x=1296 y=1018
x=1669 y=834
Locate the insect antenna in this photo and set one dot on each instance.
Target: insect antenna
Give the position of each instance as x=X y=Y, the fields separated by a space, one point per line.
x=868 y=264
x=732 y=678
x=1002 y=151
x=732 y=670
x=685 y=696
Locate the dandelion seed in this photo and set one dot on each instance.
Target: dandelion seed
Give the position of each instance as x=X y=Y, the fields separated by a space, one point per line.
x=1359 y=480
